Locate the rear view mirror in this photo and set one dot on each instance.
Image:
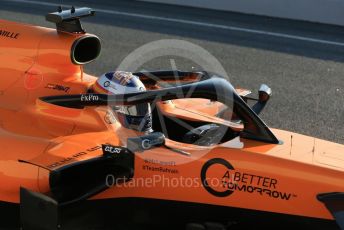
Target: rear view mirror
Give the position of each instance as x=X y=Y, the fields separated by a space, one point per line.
x=264 y=93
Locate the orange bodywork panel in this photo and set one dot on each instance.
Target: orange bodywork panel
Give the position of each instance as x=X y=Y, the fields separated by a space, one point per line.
x=240 y=173
x=274 y=178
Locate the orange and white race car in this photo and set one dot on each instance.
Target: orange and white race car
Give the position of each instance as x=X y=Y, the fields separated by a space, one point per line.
x=209 y=163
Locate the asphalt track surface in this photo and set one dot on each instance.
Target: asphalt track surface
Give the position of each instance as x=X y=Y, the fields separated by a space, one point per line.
x=304 y=66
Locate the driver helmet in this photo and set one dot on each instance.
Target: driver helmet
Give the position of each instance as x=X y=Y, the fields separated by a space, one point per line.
x=136 y=117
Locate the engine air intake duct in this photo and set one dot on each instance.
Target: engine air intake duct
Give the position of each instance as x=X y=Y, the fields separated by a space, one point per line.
x=85 y=49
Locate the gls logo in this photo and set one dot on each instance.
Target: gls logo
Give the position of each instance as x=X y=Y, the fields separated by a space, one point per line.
x=110 y=149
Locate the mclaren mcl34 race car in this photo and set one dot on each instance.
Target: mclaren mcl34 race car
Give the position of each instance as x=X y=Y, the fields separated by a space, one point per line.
x=210 y=162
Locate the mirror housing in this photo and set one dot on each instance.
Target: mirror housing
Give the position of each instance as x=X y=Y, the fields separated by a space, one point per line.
x=264 y=93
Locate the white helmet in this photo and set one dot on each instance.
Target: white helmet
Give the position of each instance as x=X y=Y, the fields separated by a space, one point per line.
x=137 y=117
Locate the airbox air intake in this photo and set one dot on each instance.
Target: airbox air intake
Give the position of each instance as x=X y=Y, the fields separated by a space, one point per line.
x=85 y=49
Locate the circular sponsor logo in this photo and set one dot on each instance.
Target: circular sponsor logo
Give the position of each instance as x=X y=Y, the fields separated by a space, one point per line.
x=106 y=84
x=207 y=185
x=146 y=144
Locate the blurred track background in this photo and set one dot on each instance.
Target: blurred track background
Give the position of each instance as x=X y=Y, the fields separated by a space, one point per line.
x=304 y=66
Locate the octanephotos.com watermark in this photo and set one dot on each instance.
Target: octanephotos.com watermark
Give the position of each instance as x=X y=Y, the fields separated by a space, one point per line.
x=164 y=181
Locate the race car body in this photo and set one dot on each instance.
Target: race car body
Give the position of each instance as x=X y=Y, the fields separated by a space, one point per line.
x=210 y=162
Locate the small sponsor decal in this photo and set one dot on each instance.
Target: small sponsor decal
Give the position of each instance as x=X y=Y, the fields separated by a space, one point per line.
x=111 y=149
x=9 y=34
x=109 y=85
x=58 y=87
x=114 y=151
x=160 y=162
x=73 y=157
x=89 y=97
x=160 y=169
x=123 y=77
x=156 y=165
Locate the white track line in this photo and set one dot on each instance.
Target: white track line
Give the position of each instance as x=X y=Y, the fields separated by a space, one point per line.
x=195 y=23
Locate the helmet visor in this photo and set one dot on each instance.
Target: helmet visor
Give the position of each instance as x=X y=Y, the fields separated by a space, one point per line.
x=137 y=117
